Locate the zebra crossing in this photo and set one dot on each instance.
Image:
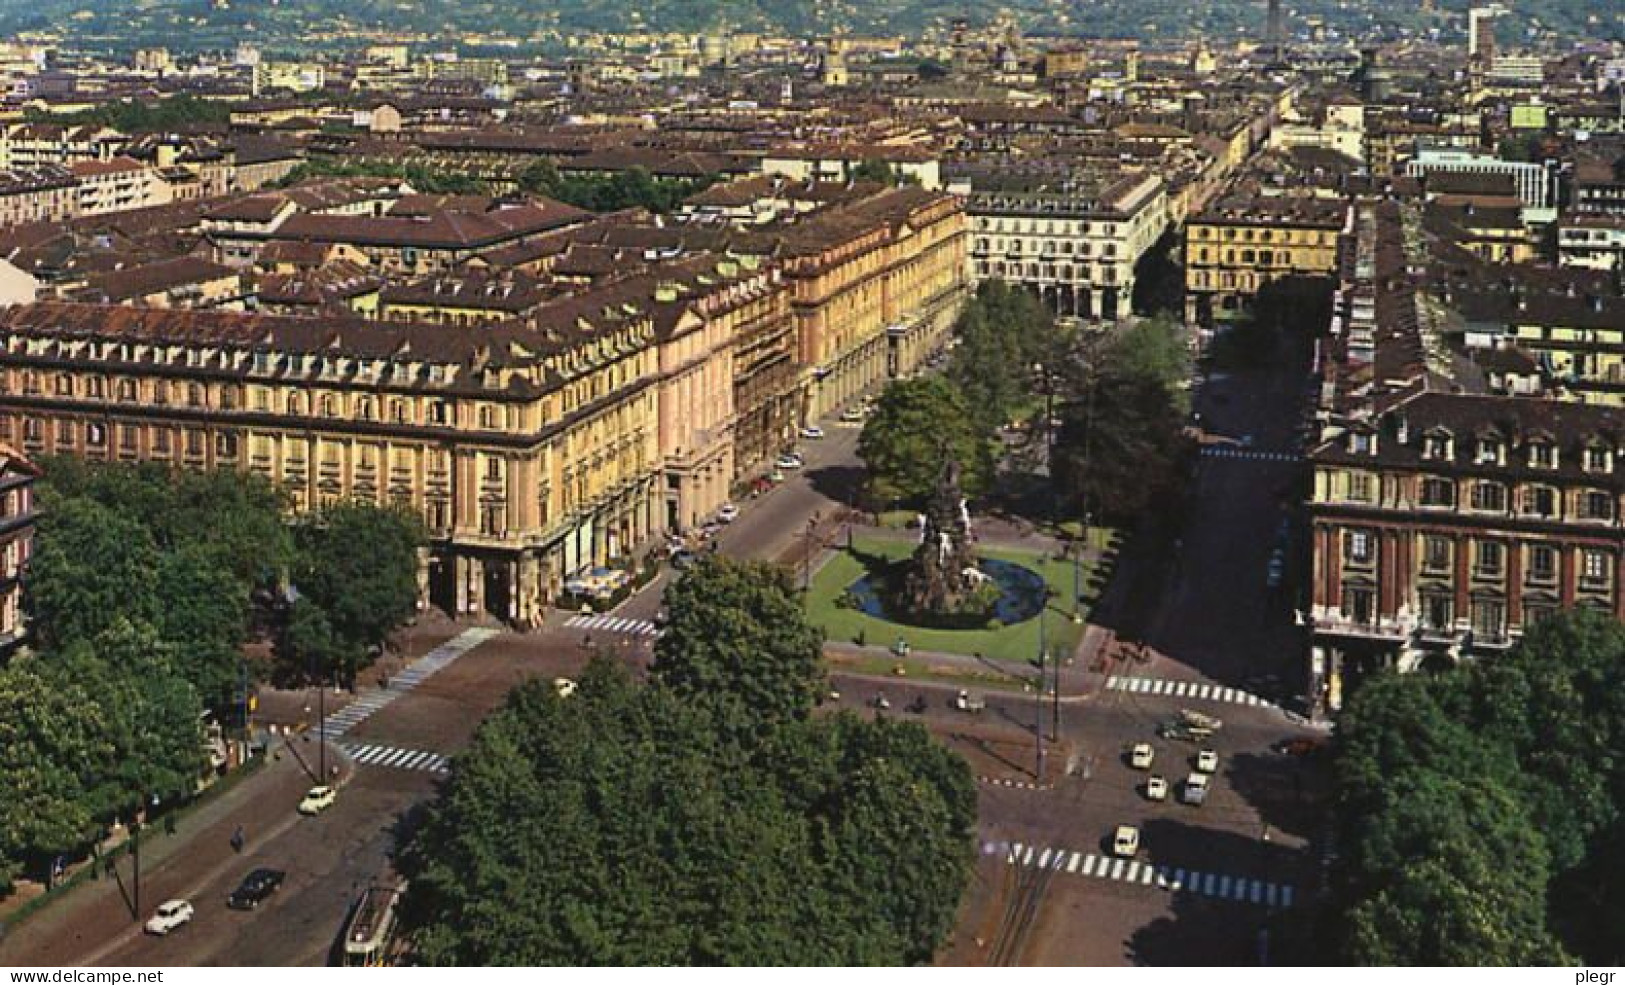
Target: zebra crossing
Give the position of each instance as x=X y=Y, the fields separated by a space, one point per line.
x=1249 y=454
x=1156 y=686
x=395 y=758
x=1133 y=872
x=341 y=722
x=613 y=624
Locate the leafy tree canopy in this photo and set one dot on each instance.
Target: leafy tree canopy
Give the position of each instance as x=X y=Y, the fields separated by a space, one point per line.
x=916 y=427
x=738 y=643
x=613 y=827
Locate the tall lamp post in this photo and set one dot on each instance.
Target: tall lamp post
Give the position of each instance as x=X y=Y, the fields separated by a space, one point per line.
x=806 y=563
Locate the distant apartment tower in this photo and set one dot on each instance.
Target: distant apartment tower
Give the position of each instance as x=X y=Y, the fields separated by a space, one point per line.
x=1272 y=29
x=1481 y=33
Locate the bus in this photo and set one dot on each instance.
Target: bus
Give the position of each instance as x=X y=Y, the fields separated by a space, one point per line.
x=371 y=929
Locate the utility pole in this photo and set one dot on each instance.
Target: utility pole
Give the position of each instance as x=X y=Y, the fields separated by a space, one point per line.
x=1055 y=731
x=806 y=562
x=321 y=732
x=135 y=853
x=1038 y=720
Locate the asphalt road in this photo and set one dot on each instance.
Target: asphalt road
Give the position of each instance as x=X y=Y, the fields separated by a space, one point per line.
x=1216 y=622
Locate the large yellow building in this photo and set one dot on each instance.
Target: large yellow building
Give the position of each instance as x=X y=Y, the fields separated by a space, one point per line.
x=1238 y=245
x=529 y=449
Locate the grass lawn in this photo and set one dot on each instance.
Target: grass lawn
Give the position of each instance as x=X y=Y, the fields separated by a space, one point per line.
x=1014 y=643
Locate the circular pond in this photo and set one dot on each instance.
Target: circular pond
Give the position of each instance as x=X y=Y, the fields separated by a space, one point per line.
x=1021 y=595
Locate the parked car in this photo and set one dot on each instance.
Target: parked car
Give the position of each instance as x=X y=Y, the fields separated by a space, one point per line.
x=1141 y=756
x=318 y=799
x=1126 y=841
x=787 y=462
x=255 y=889
x=852 y=415
x=563 y=686
x=171 y=915
x=1194 y=792
x=1207 y=761
x=684 y=559
x=965 y=701
x=812 y=432
x=1156 y=788
x=728 y=513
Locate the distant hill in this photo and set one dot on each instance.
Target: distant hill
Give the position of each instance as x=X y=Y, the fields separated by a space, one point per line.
x=302 y=24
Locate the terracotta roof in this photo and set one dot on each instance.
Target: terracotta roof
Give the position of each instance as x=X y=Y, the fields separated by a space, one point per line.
x=151 y=278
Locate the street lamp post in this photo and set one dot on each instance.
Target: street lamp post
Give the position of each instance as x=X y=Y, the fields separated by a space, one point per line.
x=806 y=562
x=1038 y=720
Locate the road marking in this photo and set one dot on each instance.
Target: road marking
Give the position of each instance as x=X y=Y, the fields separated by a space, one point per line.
x=613 y=624
x=1237 y=889
x=389 y=757
x=1186 y=689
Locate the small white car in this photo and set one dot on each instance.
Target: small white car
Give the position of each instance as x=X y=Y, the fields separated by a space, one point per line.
x=1207 y=761
x=788 y=462
x=563 y=686
x=1195 y=790
x=1141 y=756
x=728 y=513
x=812 y=432
x=171 y=915
x=852 y=415
x=1156 y=788
x=318 y=799
x=1126 y=841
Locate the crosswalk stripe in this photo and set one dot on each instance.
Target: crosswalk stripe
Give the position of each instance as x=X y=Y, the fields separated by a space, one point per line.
x=1207 y=884
x=1179 y=879
x=1089 y=865
x=1027 y=859
x=1224 y=887
x=1257 y=890
x=1072 y=863
x=1131 y=872
x=1043 y=860
x=1117 y=868
x=1112 y=682
x=1146 y=875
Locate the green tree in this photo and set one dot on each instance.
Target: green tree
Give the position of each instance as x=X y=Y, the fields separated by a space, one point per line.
x=93 y=567
x=358 y=564
x=203 y=613
x=1118 y=449
x=917 y=426
x=599 y=829
x=876 y=170
x=1002 y=334
x=52 y=736
x=738 y=643
x=613 y=827
x=1155 y=349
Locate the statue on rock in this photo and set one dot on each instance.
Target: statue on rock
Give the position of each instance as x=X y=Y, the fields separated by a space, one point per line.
x=942 y=577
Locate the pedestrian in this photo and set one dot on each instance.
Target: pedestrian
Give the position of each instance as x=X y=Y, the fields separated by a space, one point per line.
x=237 y=839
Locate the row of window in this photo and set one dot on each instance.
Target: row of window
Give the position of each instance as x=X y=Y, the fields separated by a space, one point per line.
x=1251 y=235
x=1016 y=246
x=1050 y=227
x=1489 y=557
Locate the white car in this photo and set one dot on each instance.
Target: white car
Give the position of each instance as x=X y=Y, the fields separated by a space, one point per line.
x=563 y=686
x=1141 y=756
x=1207 y=761
x=788 y=462
x=171 y=915
x=1126 y=841
x=1156 y=788
x=852 y=415
x=812 y=432
x=1195 y=789
x=318 y=799
x=729 y=513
